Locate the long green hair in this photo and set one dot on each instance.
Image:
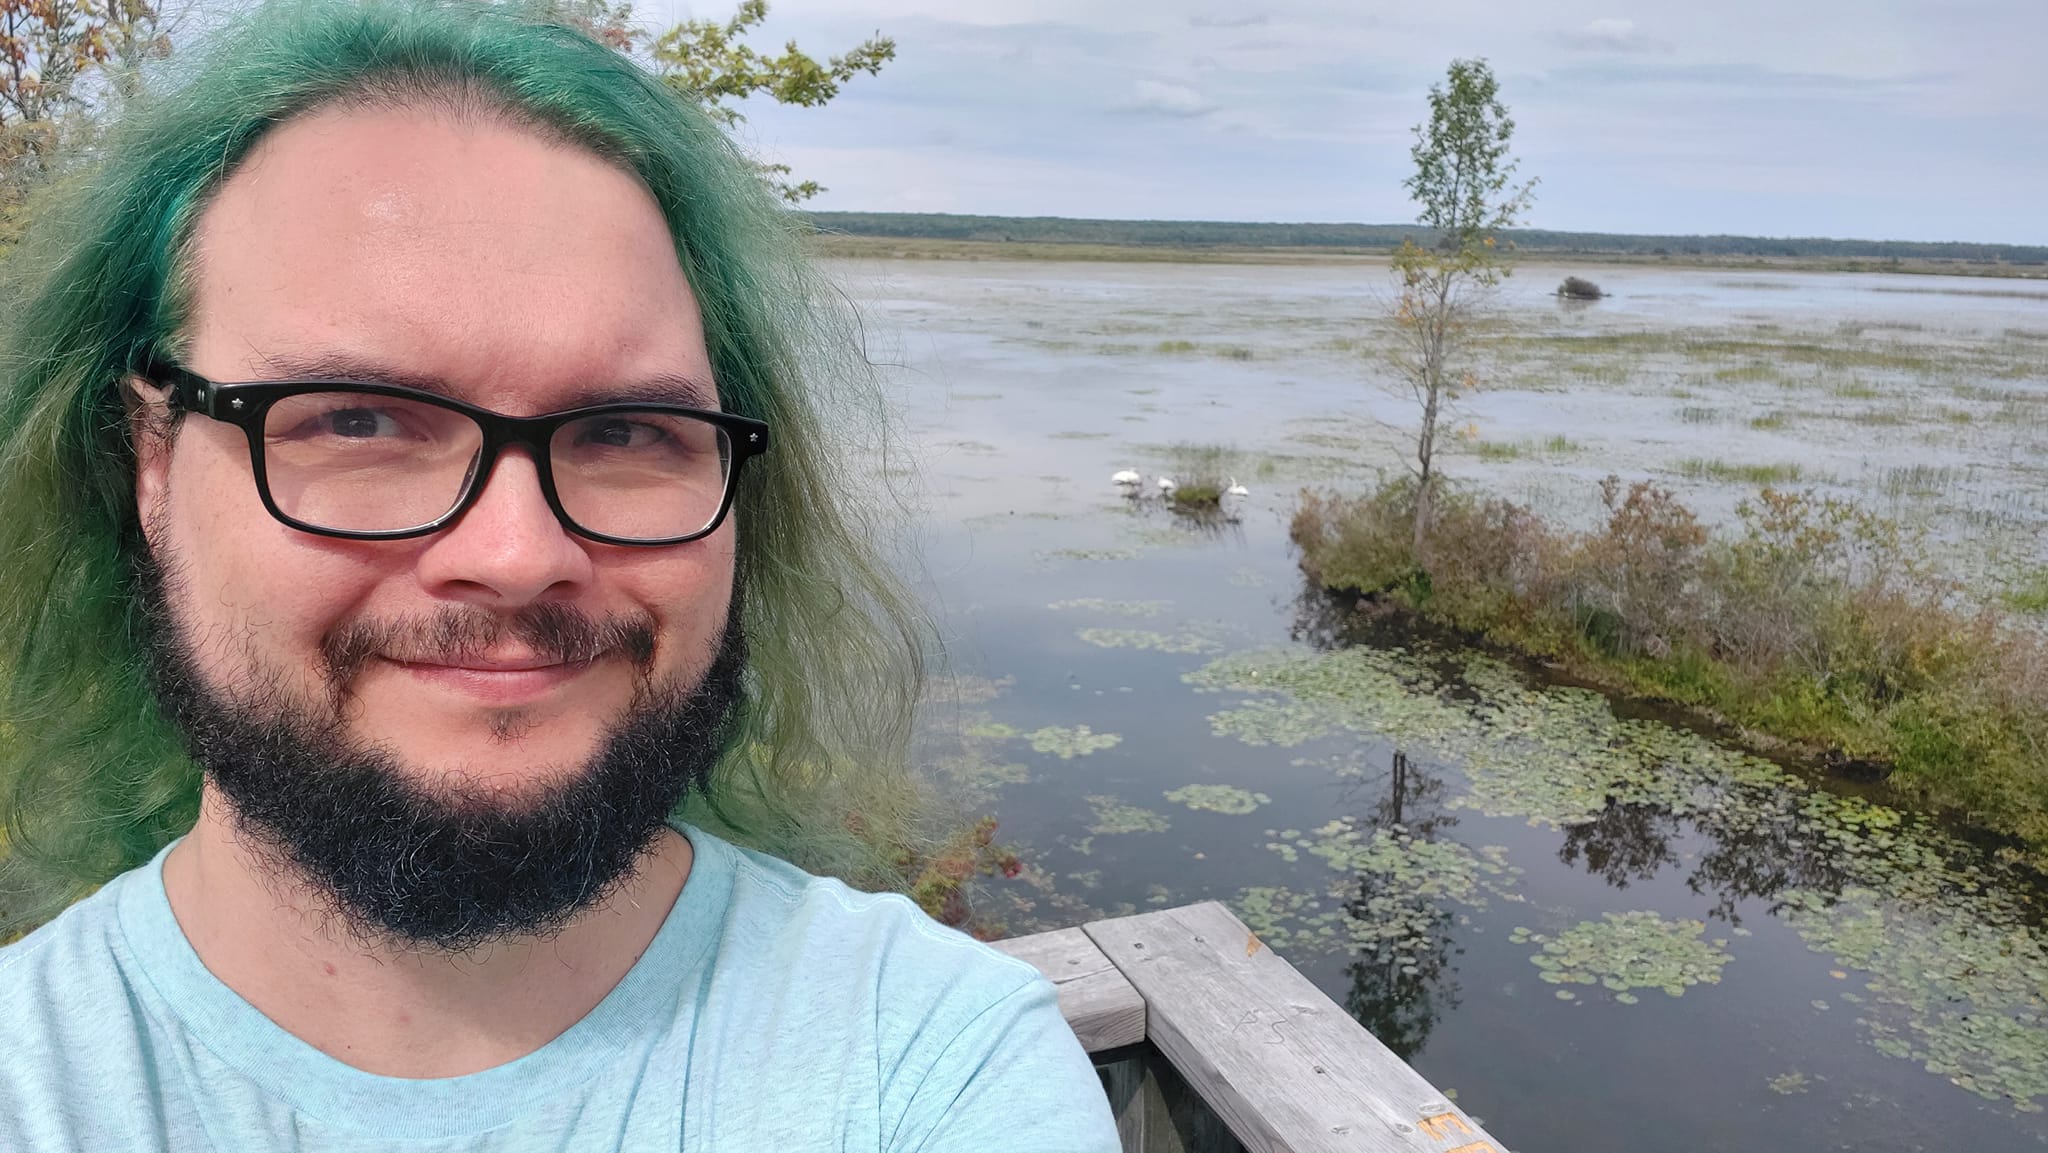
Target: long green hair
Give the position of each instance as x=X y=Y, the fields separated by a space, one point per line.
x=92 y=780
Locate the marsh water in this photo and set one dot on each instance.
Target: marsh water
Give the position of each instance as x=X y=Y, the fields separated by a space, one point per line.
x=1601 y=929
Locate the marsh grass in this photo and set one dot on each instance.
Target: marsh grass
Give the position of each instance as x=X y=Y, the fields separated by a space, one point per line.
x=2029 y=595
x=1502 y=451
x=1919 y=480
x=1201 y=472
x=1699 y=414
x=1749 y=474
x=1755 y=372
x=1815 y=623
x=1854 y=389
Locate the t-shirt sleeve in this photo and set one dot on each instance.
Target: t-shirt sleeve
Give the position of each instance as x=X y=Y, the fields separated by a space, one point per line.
x=1013 y=1078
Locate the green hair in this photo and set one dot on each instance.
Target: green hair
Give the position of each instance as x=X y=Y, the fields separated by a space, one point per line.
x=92 y=779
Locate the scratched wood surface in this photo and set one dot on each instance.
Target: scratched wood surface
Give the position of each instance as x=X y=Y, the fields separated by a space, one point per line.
x=1100 y=1005
x=1284 y=1066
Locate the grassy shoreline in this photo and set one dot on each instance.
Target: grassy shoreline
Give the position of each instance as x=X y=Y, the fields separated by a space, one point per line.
x=851 y=247
x=1813 y=628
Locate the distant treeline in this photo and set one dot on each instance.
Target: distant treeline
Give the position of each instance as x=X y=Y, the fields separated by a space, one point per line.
x=1227 y=234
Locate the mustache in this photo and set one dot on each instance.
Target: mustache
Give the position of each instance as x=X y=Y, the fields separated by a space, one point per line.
x=554 y=630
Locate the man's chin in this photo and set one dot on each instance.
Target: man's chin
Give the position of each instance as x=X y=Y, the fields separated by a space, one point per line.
x=500 y=766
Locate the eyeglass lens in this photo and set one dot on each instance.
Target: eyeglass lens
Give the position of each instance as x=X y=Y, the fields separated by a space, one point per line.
x=365 y=462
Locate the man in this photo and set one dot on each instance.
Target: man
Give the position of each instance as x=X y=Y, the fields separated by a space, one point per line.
x=407 y=425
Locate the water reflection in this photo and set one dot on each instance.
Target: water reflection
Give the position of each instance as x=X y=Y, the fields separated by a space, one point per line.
x=1627 y=842
x=1401 y=994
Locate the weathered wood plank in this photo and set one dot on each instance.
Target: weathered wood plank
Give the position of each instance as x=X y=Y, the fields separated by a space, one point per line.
x=1062 y=954
x=1103 y=1009
x=1284 y=1066
x=1099 y=1004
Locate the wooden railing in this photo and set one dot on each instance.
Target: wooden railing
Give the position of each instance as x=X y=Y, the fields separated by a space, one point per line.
x=1282 y=1065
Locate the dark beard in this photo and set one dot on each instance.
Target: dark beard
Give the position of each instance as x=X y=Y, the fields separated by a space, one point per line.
x=448 y=868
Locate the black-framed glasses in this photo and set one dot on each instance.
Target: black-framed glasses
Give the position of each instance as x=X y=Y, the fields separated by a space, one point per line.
x=367 y=461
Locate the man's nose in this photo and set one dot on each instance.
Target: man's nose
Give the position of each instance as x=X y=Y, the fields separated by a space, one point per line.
x=508 y=548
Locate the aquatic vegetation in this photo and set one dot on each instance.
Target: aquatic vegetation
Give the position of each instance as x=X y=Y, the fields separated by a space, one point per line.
x=1554 y=756
x=1068 y=743
x=1750 y=474
x=1632 y=950
x=1957 y=976
x=968 y=689
x=1396 y=890
x=1119 y=608
x=1114 y=816
x=1294 y=924
x=1247 y=578
x=1955 y=985
x=1818 y=623
x=1787 y=1084
x=1053 y=740
x=976 y=776
x=1091 y=554
x=1143 y=639
x=1218 y=798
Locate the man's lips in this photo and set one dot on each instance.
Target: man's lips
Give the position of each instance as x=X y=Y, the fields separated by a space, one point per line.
x=503 y=681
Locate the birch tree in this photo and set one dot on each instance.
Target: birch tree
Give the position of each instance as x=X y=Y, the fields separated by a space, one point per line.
x=1464 y=184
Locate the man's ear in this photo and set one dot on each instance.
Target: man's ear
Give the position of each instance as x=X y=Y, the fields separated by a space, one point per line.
x=149 y=431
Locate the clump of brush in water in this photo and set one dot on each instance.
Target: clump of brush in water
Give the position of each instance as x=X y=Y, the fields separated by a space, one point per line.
x=1579 y=288
x=1813 y=621
x=1200 y=474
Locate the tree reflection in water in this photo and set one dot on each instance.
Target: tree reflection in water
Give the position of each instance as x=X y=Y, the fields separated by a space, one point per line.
x=1626 y=842
x=1758 y=845
x=1399 y=994
x=1754 y=844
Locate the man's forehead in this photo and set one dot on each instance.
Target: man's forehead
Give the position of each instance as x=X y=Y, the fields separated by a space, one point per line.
x=475 y=260
x=342 y=364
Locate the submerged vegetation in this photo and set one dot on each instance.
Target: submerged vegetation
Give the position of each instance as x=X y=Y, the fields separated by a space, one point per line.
x=1953 y=962
x=1814 y=623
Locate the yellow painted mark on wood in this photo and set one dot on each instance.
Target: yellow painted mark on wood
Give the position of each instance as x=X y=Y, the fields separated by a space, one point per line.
x=1443 y=1125
x=1474 y=1147
x=1251 y=944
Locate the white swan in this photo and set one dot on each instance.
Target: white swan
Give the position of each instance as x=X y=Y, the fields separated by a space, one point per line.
x=1127 y=476
x=1166 y=485
x=1236 y=489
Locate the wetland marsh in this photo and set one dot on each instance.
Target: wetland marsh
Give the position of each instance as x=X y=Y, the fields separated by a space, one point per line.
x=1601 y=926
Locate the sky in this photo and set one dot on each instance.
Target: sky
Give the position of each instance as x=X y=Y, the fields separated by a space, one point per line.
x=1875 y=119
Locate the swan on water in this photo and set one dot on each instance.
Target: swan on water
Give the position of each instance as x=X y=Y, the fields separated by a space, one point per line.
x=1166 y=484
x=1236 y=489
x=1126 y=476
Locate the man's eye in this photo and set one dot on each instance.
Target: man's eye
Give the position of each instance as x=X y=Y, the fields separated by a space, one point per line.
x=359 y=423
x=623 y=434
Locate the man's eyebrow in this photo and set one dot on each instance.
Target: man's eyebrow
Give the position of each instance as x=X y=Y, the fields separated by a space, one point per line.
x=659 y=388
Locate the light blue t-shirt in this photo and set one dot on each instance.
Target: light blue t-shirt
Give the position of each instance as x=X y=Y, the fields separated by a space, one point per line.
x=774 y=1011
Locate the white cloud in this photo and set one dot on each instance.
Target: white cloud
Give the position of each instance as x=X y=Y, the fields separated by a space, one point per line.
x=1169 y=99
x=1614 y=34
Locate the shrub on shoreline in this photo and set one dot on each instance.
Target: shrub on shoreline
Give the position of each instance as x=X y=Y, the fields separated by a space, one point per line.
x=1812 y=623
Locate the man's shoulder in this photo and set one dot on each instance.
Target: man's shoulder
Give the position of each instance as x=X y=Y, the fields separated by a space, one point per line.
x=79 y=946
x=806 y=920
x=73 y=1018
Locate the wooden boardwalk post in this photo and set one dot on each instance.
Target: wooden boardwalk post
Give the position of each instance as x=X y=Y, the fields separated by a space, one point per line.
x=1285 y=1067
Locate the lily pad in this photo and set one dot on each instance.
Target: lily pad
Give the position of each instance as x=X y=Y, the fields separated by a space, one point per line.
x=1113 y=815
x=1218 y=798
x=1633 y=950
